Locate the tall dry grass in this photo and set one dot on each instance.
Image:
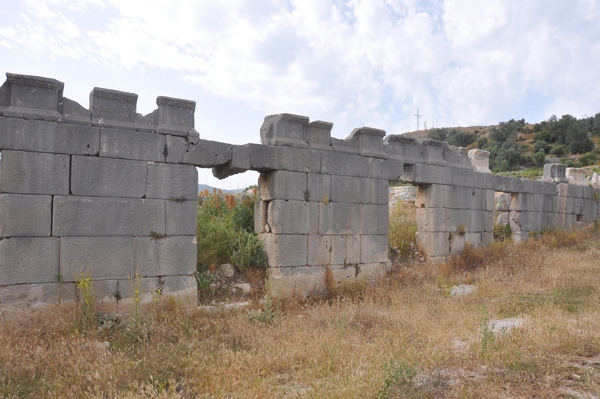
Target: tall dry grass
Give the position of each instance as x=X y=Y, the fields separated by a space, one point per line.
x=406 y=337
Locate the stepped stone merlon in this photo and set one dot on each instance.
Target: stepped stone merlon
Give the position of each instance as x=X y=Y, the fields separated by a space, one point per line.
x=480 y=160
x=576 y=176
x=555 y=173
x=107 y=104
x=433 y=151
x=369 y=141
x=319 y=135
x=32 y=97
x=285 y=130
x=175 y=116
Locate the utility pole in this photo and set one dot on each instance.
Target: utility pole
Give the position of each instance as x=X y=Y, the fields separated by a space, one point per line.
x=418 y=116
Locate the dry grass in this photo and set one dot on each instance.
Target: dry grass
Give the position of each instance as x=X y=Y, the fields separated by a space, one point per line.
x=405 y=338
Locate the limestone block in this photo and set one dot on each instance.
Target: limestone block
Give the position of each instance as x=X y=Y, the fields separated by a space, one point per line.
x=487 y=238
x=34 y=97
x=380 y=191
x=319 y=135
x=563 y=189
x=169 y=256
x=239 y=162
x=112 y=105
x=183 y=288
x=457 y=243
x=98 y=216
x=285 y=185
x=25 y=215
x=433 y=151
x=433 y=244
x=465 y=198
x=345 y=249
x=404 y=148
x=344 y=164
x=175 y=116
x=369 y=141
x=488 y=221
x=293 y=217
x=106 y=293
x=50 y=137
x=432 y=219
x=25 y=260
x=555 y=173
x=427 y=174
x=350 y=189
x=575 y=191
x=472 y=220
x=147 y=287
x=484 y=181
x=260 y=217
x=319 y=187
x=73 y=112
x=285 y=250
x=576 y=176
x=518 y=202
x=373 y=271
x=285 y=130
x=344 y=146
x=463 y=178
x=595 y=180
x=386 y=169
x=208 y=153
x=34 y=173
x=168 y=181
x=588 y=192
x=264 y=158
x=337 y=218
x=431 y=196
x=519 y=221
x=106 y=177
x=373 y=248
x=535 y=221
x=319 y=250
x=502 y=201
x=550 y=188
x=453 y=221
x=176 y=148
x=181 y=217
x=589 y=210
x=490 y=203
x=100 y=258
x=375 y=219
x=473 y=239
x=127 y=144
x=480 y=160
x=24 y=296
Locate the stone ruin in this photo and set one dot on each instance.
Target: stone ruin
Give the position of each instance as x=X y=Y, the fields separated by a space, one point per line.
x=107 y=192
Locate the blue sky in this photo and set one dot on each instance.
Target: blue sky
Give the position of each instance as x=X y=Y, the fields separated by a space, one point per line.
x=352 y=63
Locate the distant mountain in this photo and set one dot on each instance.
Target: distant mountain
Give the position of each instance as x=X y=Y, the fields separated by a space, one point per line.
x=202 y=187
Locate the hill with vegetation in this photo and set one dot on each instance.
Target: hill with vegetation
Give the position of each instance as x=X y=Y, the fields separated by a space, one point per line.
x=517 y=145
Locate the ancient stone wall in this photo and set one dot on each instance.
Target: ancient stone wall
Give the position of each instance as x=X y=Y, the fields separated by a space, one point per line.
x=107 y=193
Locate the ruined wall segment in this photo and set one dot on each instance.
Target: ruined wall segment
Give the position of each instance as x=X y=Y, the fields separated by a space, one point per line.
x=89 y=192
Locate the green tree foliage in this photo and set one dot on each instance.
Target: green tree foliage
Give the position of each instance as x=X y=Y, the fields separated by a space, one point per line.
x=453 y=137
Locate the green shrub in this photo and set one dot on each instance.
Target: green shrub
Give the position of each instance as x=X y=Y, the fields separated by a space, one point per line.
x=402 y=228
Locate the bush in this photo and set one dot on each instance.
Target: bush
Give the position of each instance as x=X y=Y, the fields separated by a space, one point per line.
x=402 y=228
x=587 y=159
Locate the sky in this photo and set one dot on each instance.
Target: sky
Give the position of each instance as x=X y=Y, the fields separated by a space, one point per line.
x=353 y=63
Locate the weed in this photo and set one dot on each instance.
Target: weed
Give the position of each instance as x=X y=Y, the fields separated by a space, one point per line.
x=402 y=228
x=205 y=280
x=247 y=251
x=268 y=315
x=502 y=232
x=136 y=329
x=157 y=236
x=395 y=373
x=88 y=319
x=488 y=340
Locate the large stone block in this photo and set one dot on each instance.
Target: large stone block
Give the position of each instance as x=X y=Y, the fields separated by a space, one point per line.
x=286 y=186
x=463 y=178
x=34 y=97
x=350 y=189
x=208 y=153
x=181 y=217
x=345 y=249
x=100 y=258
x=293 y=217
x=22 y=296
x=427 y=174
x=369 y=141
x=285 y=250
x=25 y=260
x=386 y=169
x=108 y=177
x=176 y=148
x=98 y=216
x=375 y=219
x=112 y=105
x=380 y=191
x=175 y=116
x=34 y=173
x=51 y=137
x=433 y=244
x=167 y=181
x=319 y=187
x=373 y=248
x=285 y=130
x=265 y=158
x=344 y=164
x=128 y=144
x=431 y=196
x=319 y=135
x=432 y=219
x=472 y=220
x=337 y=218
x=25 y=215
x=319 y=250
x=169 y=256
x=480 y=160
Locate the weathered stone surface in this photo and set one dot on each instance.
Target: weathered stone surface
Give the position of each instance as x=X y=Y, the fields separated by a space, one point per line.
x=427 y=174
x=177 y=149
x=49 y=137
x=106 y=177
x=480 y=160
x=175 y=182
x=345 y=165
x=286 y=250
x=285 y=130
x=319 y=135
x=100 y=258
x=25 y=260
x=345 y=249
x=375 y=219
x=555 y=173
x=319 y=250
x=175 y=116
x=373 y=248
x=169 y=256
x=369 y=141
x=34 y=97
x=350 y=189
x=25 y=215
x=386 y=169
x=181 y=217
x=319 y=187
x=432 y=219
x=34 y=173
x=127 y=144
x=433 y=244
x=208 y=153
x=431 y=196
x=284 y=185
x=293 y=217
x=337 y=218
x=97 y=216
x=24 y=296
